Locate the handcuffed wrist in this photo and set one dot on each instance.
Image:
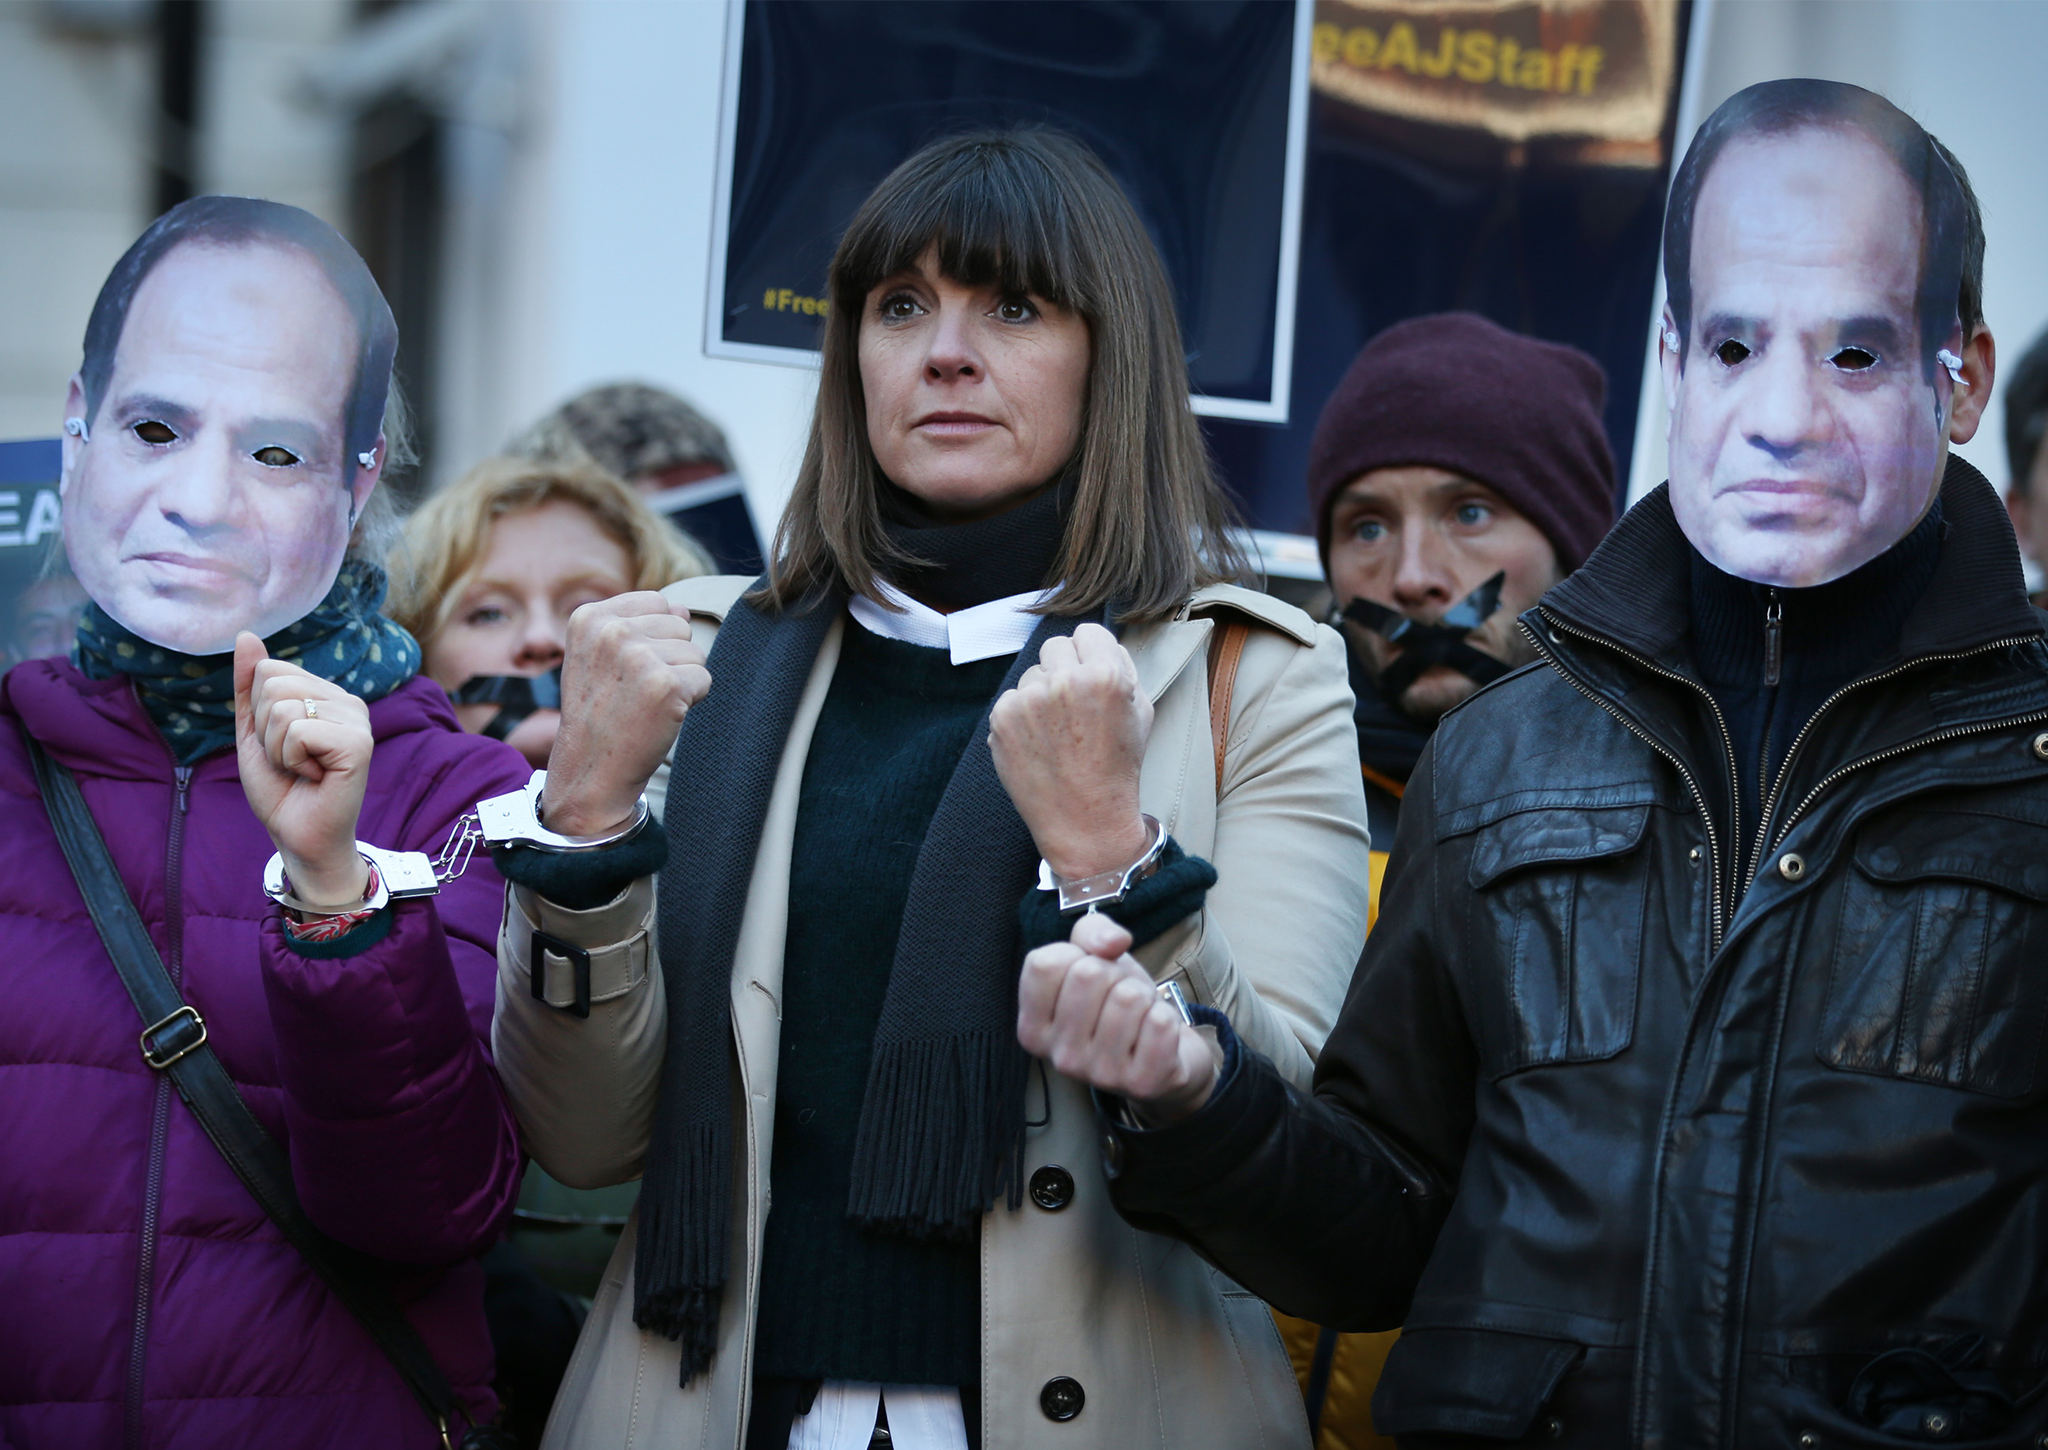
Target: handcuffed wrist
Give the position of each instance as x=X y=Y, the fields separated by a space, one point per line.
x=318 y=897
x=1088 y=859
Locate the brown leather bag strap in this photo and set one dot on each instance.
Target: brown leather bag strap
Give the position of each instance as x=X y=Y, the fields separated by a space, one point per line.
x=1226 y=646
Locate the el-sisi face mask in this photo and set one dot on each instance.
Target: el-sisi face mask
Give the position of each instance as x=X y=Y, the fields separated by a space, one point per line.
x=1809 y=416
x=212 y=488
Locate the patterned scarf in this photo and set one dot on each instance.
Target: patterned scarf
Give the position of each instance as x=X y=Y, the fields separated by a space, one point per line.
x=192 y=697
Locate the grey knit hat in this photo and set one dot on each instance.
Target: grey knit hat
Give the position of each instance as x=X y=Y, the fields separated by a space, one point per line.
x=628 y=429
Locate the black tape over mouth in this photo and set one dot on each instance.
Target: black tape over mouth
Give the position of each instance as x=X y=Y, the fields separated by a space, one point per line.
x=1427 y=644
x=516 y=696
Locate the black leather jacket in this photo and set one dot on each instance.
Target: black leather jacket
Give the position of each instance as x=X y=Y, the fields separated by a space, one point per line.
x=1652 y=1137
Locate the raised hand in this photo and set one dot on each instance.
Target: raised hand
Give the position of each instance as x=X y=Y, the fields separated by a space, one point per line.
x=1068 y=742
x=1089 y=1009
x=629 y=676
x=303 y=744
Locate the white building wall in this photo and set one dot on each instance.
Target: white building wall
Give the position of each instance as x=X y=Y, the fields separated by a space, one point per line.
x=77 y=158
x=605 y=251
x=74 y=190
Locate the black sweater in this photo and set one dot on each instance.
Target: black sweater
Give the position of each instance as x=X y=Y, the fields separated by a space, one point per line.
x=1827 y=636
x=837 y=1301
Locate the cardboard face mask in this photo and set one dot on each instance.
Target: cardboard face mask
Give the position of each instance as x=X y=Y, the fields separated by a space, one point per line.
x=224 y=434
x=1810 y=388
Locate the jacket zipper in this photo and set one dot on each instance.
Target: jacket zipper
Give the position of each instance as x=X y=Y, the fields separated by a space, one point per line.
x=1774 y=640
x=1766 y=841
x=136 y=1428
x=1714 y=871
x=1774 y=671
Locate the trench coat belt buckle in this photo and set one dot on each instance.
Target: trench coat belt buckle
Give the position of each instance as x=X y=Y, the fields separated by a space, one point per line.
x=183 y=1033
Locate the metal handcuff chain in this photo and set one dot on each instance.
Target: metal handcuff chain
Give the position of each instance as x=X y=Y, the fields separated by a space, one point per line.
x=511 y=819
x=401 y=875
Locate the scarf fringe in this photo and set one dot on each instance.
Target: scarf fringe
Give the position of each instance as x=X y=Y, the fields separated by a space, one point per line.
x=681 y=1254
x=941 y=1134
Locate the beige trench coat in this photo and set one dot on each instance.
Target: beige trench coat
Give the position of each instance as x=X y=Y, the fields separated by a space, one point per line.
x=1168 y=1352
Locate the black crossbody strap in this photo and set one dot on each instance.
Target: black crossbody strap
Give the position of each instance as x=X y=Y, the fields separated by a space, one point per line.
x=174 y=1042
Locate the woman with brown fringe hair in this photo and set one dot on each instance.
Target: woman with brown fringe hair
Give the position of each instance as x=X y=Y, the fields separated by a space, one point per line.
x=993 y=682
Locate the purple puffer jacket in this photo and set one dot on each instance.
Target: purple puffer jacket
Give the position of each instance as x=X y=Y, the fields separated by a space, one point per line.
x=145 y=1300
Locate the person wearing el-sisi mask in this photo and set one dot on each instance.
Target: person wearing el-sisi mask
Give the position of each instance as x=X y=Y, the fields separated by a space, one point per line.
x=233 y=706
x=1690 y=1091
x=970 y=698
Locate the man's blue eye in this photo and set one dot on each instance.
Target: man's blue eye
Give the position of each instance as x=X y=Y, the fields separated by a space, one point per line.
x=1370 y=530
x=1473 y=513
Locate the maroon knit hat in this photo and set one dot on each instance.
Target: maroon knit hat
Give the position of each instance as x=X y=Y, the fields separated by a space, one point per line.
x=1457 y=392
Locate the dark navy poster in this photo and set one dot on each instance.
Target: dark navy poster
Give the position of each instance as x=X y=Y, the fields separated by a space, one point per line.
x=1197 y=108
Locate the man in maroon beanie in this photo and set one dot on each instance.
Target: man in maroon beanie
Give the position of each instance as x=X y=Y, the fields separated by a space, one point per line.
x=1454 y=453
x=1458 y=471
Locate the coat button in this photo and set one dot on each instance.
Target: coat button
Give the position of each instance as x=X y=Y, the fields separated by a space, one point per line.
x=1791 y=865
x=1806 y=1440
x=1693 y=855
x=1935 y=1423
x=1052 y=1188
x=2041 y=753
x=1553 y=1428
x=1062 y=1398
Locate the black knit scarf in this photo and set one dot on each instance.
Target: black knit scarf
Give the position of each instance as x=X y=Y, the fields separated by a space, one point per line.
x=961 y=565
x=941 y=1132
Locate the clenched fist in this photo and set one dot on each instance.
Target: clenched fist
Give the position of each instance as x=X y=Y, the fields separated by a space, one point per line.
x=1068 y=743
x=303 y=744
x=629 y=676
x=1090 y=1010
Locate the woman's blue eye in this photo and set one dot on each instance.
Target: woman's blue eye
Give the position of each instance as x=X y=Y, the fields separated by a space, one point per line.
x=489 y=614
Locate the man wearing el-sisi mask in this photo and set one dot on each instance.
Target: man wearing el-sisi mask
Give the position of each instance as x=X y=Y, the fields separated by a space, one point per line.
x=1690 y=1090
x=260 y=1021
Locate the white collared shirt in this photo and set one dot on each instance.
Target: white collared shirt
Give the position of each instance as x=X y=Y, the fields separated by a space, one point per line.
x=921 y=1417
x=981 y=632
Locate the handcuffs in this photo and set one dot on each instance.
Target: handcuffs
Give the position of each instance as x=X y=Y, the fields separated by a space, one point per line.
x=512 y=819
x=1106 y=888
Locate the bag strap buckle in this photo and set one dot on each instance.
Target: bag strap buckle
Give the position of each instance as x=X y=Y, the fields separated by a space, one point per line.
x=184 y=1032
